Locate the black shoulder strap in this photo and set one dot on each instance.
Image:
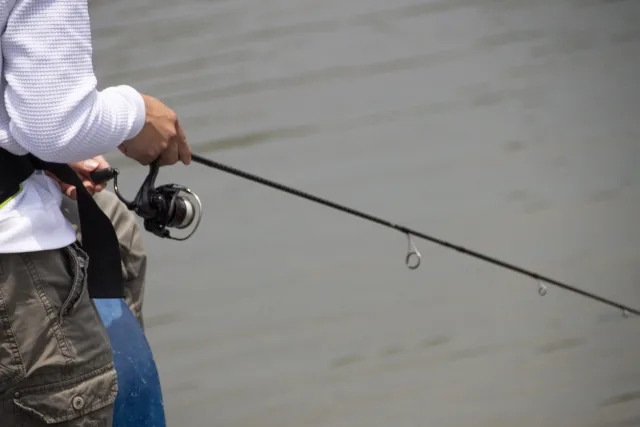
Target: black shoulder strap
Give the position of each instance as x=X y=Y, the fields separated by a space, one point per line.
x=99 y=239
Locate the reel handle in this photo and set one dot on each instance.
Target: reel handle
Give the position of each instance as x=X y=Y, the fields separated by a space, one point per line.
x=101 y=176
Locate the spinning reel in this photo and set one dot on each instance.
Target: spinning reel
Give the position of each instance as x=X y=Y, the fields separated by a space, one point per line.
x=163 y=207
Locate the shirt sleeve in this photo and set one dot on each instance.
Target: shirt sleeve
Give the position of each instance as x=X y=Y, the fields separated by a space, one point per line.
x=55 y=111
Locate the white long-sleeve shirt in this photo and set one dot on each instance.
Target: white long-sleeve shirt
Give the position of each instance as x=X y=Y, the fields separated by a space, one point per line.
x=51 y=108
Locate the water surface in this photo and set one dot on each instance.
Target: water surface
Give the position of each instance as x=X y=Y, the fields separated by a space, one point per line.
x=510 y=127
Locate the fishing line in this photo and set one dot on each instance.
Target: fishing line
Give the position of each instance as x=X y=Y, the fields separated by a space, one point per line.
x=413 y=256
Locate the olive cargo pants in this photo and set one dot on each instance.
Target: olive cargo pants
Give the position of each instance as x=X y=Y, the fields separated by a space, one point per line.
x=56 y=366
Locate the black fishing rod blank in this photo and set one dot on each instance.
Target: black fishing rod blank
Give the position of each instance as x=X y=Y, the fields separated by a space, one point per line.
x=413 y=256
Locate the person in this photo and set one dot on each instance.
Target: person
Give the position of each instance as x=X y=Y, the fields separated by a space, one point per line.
x=56 y=364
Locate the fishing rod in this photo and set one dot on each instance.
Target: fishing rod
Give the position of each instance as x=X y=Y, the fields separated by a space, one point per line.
x=164 y=207
x=413 y=256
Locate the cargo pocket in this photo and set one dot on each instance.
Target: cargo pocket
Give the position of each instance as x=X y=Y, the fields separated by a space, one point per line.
x=69 y=401
x=59 y=278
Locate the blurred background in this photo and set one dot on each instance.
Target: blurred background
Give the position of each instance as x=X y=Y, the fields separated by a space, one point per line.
x=509 y=126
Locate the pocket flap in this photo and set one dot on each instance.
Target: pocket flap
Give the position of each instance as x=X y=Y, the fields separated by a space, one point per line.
x=67 y=401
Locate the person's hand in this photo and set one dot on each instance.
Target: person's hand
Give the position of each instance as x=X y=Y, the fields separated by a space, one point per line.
x=83 y=169
x=161 y=137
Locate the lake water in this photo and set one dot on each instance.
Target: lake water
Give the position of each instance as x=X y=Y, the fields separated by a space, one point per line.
x=510 y=127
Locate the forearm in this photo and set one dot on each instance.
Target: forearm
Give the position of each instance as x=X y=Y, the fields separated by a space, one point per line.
x=54 y=108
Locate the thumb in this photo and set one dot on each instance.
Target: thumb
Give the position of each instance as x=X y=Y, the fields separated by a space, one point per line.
x=84 y=168
x=90 y=165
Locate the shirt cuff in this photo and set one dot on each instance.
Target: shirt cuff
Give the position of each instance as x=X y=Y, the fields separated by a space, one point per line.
x=134 y=98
